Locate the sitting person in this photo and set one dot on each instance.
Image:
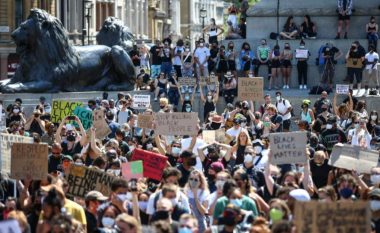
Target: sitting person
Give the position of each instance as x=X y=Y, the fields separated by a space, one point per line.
x=290 y=29
x=308 y=28
x=372 y=29
x=232 y=33
x=142 y=80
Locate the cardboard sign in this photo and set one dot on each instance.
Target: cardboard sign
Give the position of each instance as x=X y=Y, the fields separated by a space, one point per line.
x=209 y=136
x=6 y=141
x=207 y=80
x=187 y=81
x=62 y=108
x=289 y=147
x=322 y=217
x=10 y=226
x=29 y=160
x=220 y=136
x=141 y=101
x=353 y=157
x=144 y=121
x=100 y=124
x=302 y=53
x=342 y=89
x=177 y=123
x=82 y=179
x=251 y=88
x=85 y=116
x=153 y=164
x=132 y=170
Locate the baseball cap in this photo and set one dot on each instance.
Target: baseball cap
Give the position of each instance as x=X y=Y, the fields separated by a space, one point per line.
x=300 y=195
x=217 y=166
x=95 y=196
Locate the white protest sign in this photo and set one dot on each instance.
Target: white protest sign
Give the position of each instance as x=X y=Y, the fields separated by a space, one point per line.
x=6 y=141
x=209 y=136
x=122 y=117
x=289 y=147
x=141 y=101
x=302 y=53
x=176 y=123
x=342 y=88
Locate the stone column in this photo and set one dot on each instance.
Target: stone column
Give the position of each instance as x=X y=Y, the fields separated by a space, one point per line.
x=4 y=65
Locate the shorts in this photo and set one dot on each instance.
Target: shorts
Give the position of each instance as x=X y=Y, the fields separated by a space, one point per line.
x=231 y=65
x=286 y=63
x=286 y=124
x=343 y=17
x=275 y=64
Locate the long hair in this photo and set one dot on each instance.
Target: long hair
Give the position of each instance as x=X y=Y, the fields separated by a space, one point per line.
x=287 y=23
x=202 y=179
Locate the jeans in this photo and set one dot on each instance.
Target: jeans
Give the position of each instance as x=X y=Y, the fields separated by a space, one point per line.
x=155 y=71
x=166 y=67
x=173 y=96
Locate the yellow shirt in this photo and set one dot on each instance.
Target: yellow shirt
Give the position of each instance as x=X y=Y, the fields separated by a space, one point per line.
x=76 y=211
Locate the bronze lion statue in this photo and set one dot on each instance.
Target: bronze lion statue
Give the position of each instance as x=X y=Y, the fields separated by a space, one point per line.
x=49 y=63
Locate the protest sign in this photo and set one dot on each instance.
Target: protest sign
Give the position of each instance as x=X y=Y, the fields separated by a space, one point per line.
x=209 y=136
x=144 y=121
x=141 y=101
x=153 y=164
x=288 y=147
x=10 y=226
x=220 y=136
x=6 y=141
x=353 y=158
x=84 y=115
x=207 y=80
x=187 y=81
x=122 y=117
x=302 y=53
x=62 y=108
x=176 y=123
x=332 y=217
x=29 y=160
x=251 y=88
x=100 y=124
x=132 y=170
x=342 y=89
x=82 y=179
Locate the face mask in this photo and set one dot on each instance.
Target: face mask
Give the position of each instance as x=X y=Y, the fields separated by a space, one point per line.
x=143 y=205
x=250 y=75
x=188 y=109
x=276 y=215
x=329 y=126
x=187 y=50
x=71 y=138
x=302 y=46
x=258 y=149
x=176 y=150
x=215 y=125
x=287 y=47
x=374 y=117
x=131 y=148
x=219 y=184
x=356 y=125
x=108 y=222
x=162 y=107
x=266 y=124
x=16 y=110
x=300 y=169
x=243 y=124
x=278 y=98
x=115 y=172
x=372 y=21
x=174 y=201
x=209 y=97
x=375 y=179
x=236 y=202
x=375 y=205
x=231 y=47
x=324 y=109
x=201 y=44
x=187 y=98
x=193 y=184
x=122 y=197
x=184 y=230
x=160 y=215
x=248 y=158
x=345 y=193
x=263 y=43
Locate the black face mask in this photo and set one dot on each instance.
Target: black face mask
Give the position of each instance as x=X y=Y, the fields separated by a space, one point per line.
x=324 y=109
x=160 y=215
x=229 y=222
x=71 y=138
x=162 y=107
x=215 y=125
x=191 y=162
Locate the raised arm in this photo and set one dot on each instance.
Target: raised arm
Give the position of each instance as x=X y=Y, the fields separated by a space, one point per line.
x=59 y=130
x=335 y=107
x=160 y=146
x=201 y=91
x=83 y=139
x=268 y=178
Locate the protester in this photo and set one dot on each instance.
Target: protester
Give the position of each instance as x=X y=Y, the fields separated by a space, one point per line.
x=344 y=11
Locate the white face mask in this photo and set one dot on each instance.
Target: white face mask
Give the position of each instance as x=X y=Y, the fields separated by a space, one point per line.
x=108 y=222
x=201 y=44
x=219 y=184
x=278 y=98
x=302 y=46
x=115 y=172
x=16 y=110
x=176 y=150
x=258 y=149
x=188 y=109
x=248 y=158
x=374 y=117
x=375 y=179
x=300 y=169
x=356 y=125
x=375 y=205
x=329 y=126
x=131 y=148
x=187 y=50
x=209 y=97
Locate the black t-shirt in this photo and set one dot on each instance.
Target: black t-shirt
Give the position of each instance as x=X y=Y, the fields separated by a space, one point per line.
x=156 y=59
x=306 y=28
x=243 y=30
x=330 y=52
x=77 y=148
x=330 y=137
x=91 y=222
x=35 y=128
x=256 y=177
x=354 y=101
x=318 y=106
x=320 y=173
x=277 y=119
x=134 y=55
x=167 y=56
x=185 y=175
x=54 y=163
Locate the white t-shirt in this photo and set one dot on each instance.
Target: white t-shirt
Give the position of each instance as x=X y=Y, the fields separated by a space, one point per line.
x=202 y=54
x=185 y=144
x=371 y=58
x=177 y=59
x=233 y=132
x=282 y=108
x=202 y=195
x=263 y=161
x=183 y=201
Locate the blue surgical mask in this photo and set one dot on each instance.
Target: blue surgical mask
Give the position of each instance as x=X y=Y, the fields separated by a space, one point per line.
x=176 y=150
x=143 y=205
x=184 y=230
x=236 y=202
x=122 y=197
x=108 y=222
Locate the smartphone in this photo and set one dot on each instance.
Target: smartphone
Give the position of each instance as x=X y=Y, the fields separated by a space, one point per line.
x=133 y=185
x=71 y=118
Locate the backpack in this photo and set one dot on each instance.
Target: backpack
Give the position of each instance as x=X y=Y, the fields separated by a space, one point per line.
x=320 y=60
x=291 y=106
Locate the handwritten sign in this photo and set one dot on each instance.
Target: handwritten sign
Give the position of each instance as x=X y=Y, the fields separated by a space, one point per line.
x=187 y=81
x=177 y=123
x=207 y=80
x=132 y=170
x=251 y=88
x=100 y=124
x=144 y=121
x=342 y=89
x=10 y=226
x=220 y=136
x=85 y=116
x=29 y=160
x=209 y=136
x=62 y=108
x=82 y=179
x=302 y=53
x=353 y=158
x=318 y=217
x=141 y=101
x=153 y=164
x=288 y=147
x=6 y=141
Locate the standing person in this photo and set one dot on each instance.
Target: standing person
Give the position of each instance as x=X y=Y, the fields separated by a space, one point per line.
x=177 y=57
x=232 y=12
x=231 y=57
x=372 y=29
x=286 y=58
x=212 y=31
x=155 y=58
x=330 y=55
x=370 y=71
x=166 y=57
x=187 y=101
x=244 y=5
x=354 y=63
x=263 y=52
x=173 y=93
x=201 y=56
x=134 y=54
x=242 y=28
x=302 y=67
x=210 y=101
x=344 y=13
x=221 y=62
x=284 y=109
x=229 y=87
x=246 y=57
x=275 y=66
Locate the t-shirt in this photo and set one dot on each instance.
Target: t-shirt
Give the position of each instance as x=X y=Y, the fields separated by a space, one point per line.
x=156 y=59
x=330 y=52
x=54 y=163
x=318 y=106
x=135 y=56
x=167 y=56
x=320 y=173
x=202 y=54
x=233 y=132
x=185 y=175
x=177 y=59
x=76 y=211
x=282 y=107
x=183 y=201
x=330 y=137
x=247 y=204
x=371 y=57
x=263 y=52
x=277 y=119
